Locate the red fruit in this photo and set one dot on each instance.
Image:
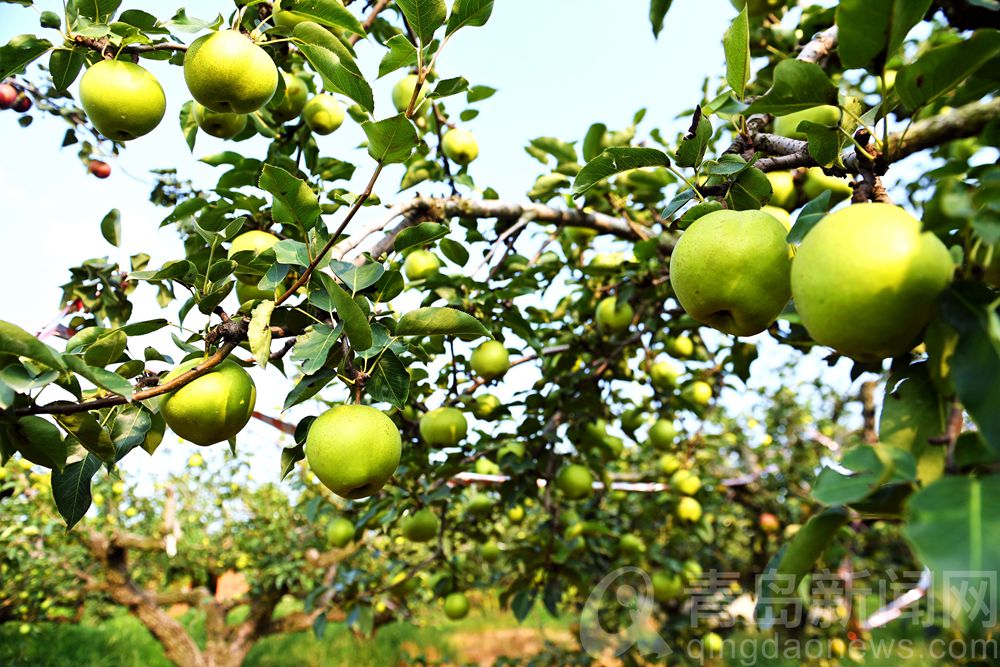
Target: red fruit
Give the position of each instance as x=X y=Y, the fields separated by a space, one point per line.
x=22 y=103
x=769 y=523
x=99 y=169
x=8 y=94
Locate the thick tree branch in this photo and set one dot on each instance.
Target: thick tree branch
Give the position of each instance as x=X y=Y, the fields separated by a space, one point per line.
x=101 y=45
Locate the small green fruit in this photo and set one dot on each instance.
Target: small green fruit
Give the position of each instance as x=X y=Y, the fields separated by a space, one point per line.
x=353 y=450
x=689 y=509
x=122 y=100
x=225 y=71
x=460 y=146
x=211 y=408
x=217 y=124
x=662 y=434
x=292 y=101
x=663 y=376
x=486 y=406
x=631 y=544
x=421 y=526
x=456 y=606
x=421 y=264
x=575 y=481
x=612 y=316
x=787 y=125
x=340 y=532
x=669 y=464
x=402 y=92
x=816 y=183
x=490 y=360
x=667 y=586
x=490 y=552
x=685 y=482
x=783 y=193
x=515 y=514
x=323 y=114
x=443 y=427
x=680 y=347
x=698 y=392
x=254 y=241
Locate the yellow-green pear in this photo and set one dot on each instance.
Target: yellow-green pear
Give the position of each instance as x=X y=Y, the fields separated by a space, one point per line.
x=292 y=100
x=669 y=464
x=460 y=146
x=698 y=392
x=783 y=193
x=456 y=606
x=575 y=481
x=612 y=315
x=866 y=278
x=443 y=427
x=211 y=408
x=254 y=241
x=667 y=586
x=340 y=532
x=490 y=360
x=490 y=551
x=122 y=100
x=680 y=347
x=225 y=71
x=421 y=526
x=353 y=450
x=816 y=183
x=685 y=482
x=779 y=214
x=689 y=509
x=730 y=270
x=402 y=92
x=245 y=293
x=421 y=264
x=662 y=434
x=824 y=114
x=217 y=124
x=663 y=375
x=323 y=114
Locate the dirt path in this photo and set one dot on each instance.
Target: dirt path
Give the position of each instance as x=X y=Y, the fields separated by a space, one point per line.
x=483 y=648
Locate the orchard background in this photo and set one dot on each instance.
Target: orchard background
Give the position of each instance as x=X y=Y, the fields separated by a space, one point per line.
x=774 y=488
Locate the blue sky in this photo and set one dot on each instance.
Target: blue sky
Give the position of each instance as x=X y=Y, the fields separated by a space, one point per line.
x=558 y=65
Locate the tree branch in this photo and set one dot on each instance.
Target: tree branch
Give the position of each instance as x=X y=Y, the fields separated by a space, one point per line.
x=369 y=20
x=101 y=45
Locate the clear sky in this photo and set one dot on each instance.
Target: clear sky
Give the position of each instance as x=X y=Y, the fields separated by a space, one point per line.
x=559 y=66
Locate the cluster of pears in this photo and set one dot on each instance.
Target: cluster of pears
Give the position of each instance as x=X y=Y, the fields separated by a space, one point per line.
x=864 y=280
x=458 y=145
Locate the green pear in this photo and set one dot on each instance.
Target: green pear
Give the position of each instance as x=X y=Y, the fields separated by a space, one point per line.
x=323 y=114
x=353 y=450
x=825 y=114
x=247 y=293
x=669 y=464
x=662 y=434
x=211 y=408
x=698 y=392
x=421 y=526
x=486 y=406
x=292 y=100
x=460 y=146
x=816 y=183
x=866 y=278
x=479 y=504
x=254 y=241
x=783 y=193
x=613 y=316
x=225 y=71
x=575 y=481
x=340 y=532
x=122 y=100
x=486 y=467
x=421 y=264
x=490 y=552
x=515 y=514
x=221 y=125
x=402 y=92
x=631 y=544
x=730 y=270
x=443 y=427
x=685 y=482
x=286 y=20
x=667 y=586
x=680 y=347
x=689 y=509
x=456 y=606
x=712 y=644
x=663 y=376
x=779 y=214
x=514 y=449
x=490 y=360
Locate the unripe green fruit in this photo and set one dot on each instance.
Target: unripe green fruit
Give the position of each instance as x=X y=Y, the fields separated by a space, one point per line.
x=515 y=514
x=353 y=450
x=490 y=552
x=480 y=504
x=421 y=526
x=697 y=393
x=421 y=264
x=443 y=427
x=613 y=316
x=712 y=644
x=866 y=279
x=486 y=467
x=730 y=270
x=662 y=434
x=486 y=406
x=779 y=214
x=783 y=193
x=221 y=125
x=122 y=100
x=460 y=146
x=575 y=481
x=663 y=376
x=402 y=92
x=680 y=347
x=685 y=482
x=631 y=544
x=245 y=293
x=689 y=509
x=211 y=408
x=787 y=125
x=816 y=183
x=667 y=586
x=225 y=71
x=323 y=114
x=292 y=101
x=340 y=532
x=669 y=464
x=456 y=606
x=254 y=241
x=490 y=360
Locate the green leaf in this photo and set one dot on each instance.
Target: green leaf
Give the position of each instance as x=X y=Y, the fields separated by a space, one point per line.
x=657 y=12
x=309 y=386
x=968 y=309
x=440 y=322
x=104 y=379
x=523 y=603
x=401 y=53
x=71 y=488
x=797 y=85
x=289 y=457
x=388 y=287
x=84 y=428
x=389 y=380
x=449 y=87
x=334 y=63
x=479 y=93
x=19 y=52
x=300 y=205
x=157 y=429
x=355 y=322
x=391 y=140
x=869 y=471
x=313 y=347
x=593 y=141
x=18 y=342
x=65 y=66
x=423 y=233
x=823 y=142
x=101 y=11
x=259 y=332
x=940 y=70
x=111 y=227
x=614 y=161
x=357 y=278
x=190 y=24
x=129 y=429
x=691 y=151
x=330 y=13
x=455 y=251
x=810 y=214
x=189 y=128
x=472 y=13
x=106 y=348
x=39 y=441
x=291 y=252
x=751 y=190
x=737 y=47
x=423 y=16
x=871 y=31
x=912 y=413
